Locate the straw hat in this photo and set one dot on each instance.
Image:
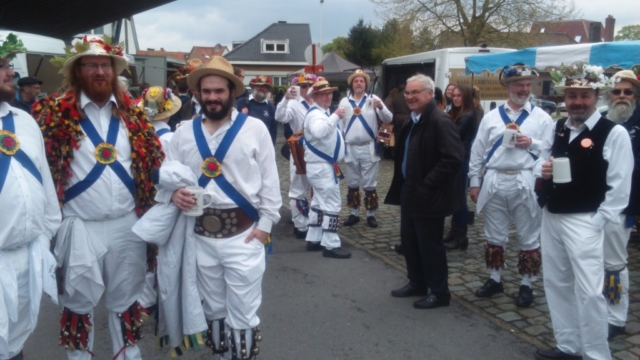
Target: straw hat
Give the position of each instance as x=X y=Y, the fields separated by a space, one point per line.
x=92 y=45
x=321 y=85
x=304 y=78
x=184 y=71
x=356 y=73
x=217 y=66
x=261 y=80
x=627 y=75
x=10 y=46
x=580 y=76
x=159 y=103
x=515 y=73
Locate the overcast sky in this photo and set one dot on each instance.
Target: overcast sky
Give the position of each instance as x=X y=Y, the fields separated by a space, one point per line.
x=184 y=23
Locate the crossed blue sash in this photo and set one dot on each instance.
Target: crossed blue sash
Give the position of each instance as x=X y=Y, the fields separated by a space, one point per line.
x=221 y=152
x=304 y=103
x=523 y=116
x=21 y=156
x=366 y=126
x=95 y=173
x=331 y=160
x=163 y=131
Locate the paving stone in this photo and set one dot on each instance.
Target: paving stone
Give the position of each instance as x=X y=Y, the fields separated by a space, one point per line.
x=455 y=281
x=625 y=355
x=512 y=307
x=619 y=344
x=529 y=313
x=635 y=340
x=509 y=316
x=536 y=330
x=493 y=310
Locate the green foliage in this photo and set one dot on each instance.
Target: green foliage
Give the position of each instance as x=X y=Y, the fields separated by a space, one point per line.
x=338 y=45
x=10 y=46
x=362 y=40
x=629 y=32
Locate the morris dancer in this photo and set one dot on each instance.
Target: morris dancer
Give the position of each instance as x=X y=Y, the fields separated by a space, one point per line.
x=102 y=151
x=362 y=153
x=291 y=111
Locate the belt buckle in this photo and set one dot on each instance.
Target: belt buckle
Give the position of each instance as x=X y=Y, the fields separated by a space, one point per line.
x=218 y=223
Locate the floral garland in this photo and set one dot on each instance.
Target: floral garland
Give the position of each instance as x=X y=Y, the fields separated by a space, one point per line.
x=81 y=46
x=302 y=78
x=580 y=75
x=59 y=122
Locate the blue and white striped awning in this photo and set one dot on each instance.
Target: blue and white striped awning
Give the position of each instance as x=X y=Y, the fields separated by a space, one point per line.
x=624 y=54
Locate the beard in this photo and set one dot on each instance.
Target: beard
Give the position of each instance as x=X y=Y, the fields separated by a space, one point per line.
x=259 y=95
x=97 y=91
x=516 y=99
x=579 y=113
x=621 y=110
x=7 y=92
x=225 y=109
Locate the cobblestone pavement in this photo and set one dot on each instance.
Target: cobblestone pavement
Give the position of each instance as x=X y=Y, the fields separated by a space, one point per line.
x=467 y=270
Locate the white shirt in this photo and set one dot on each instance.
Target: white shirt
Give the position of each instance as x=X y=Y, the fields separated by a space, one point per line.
x=321 y=131
x=196 y=104
x=250 y=165
x=165 y=139
x=538 y=126
x=292 y=112
x=618 y=153
x=29 y=209
x=108 y=197
x=357 y=133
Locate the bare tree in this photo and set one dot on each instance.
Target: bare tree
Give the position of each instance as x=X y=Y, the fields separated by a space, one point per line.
x=475 y=22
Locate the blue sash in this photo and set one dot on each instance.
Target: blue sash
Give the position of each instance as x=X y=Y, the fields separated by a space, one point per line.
x=523 y=116
x=304 y=103
x=366 y=126
x=221 y=152
x=331 y=160
x=112 y=135
x=163 y=131
x=21 y=156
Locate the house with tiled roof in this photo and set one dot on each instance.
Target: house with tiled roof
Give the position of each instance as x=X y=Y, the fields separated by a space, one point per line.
x=205 y=53
x=578 y=30
x=177 y=55
x=276 y=51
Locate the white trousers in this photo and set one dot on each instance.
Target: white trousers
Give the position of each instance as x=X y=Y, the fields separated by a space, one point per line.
x=298 y=190
x=148 y=298
x=229 y=279
x=361 y=168
x=123 y=271
x=573 y=265
x=509 y=204
x=326 y=198
x=19 y=330
x=616 y=237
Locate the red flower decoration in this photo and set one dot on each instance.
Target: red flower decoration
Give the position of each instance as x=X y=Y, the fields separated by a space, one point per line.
x=8 y=142
x=106 y=153
x=212 y=167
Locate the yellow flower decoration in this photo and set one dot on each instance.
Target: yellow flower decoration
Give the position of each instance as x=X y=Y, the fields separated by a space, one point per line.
x=154 y=91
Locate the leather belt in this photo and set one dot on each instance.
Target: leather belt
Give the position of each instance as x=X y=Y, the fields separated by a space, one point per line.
x=222 y=223
x=509 y=171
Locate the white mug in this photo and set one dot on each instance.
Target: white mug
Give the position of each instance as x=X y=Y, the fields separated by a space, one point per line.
x=199 y=195
x=561 y=170
x=348 y=112
x=297 y=89
x=509 y=138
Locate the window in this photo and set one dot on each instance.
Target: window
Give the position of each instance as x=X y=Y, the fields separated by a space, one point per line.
x=280 y=80
x=542 y=30
x=275 y=46
x=578 y=38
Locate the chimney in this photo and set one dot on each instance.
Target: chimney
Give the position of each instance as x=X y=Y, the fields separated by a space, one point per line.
x=609 y=28
x=595 y=32
x=161 y=49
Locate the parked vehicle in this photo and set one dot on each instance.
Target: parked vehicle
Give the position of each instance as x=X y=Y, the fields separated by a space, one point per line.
x=546 y=105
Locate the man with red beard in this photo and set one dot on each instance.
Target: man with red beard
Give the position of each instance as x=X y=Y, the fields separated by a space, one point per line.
x=624 y=110
x=507 y=192
x=102 y=151
x=30 y=215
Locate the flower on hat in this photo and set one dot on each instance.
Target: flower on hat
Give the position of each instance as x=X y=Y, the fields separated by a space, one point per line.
x=10 y=46
x=260 y=80
x=79 y=46
x=580 y=75
x=304 y=78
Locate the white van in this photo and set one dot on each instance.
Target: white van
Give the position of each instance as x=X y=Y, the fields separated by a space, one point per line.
x=444 y=66
x=35 y=62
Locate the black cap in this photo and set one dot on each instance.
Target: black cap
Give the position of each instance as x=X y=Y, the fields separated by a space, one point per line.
x=28 y=81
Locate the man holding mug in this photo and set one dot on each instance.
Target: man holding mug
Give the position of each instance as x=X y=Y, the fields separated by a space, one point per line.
x=576 y=212
x=510 y=138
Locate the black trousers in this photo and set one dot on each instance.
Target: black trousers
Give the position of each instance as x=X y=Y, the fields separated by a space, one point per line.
x=424 y=252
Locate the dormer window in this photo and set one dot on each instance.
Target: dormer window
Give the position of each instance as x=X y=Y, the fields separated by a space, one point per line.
x=275 y=46
x=542 y=30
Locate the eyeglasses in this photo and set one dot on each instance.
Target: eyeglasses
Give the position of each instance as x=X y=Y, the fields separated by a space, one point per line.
x=94 y=67
x=627 y=92
x=4 y=66
x=413 y=93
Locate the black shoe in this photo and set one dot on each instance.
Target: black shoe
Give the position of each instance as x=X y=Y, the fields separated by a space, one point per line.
x=408 y=291
x=432 y=301
x=490 y=288
x=398 y=248
x=314 y=246
x=371 y=221
x=299 y=234
x=352 y=220
x=555 y=354
x=459 y=240
x=336 y=253
x=615 y=331
x=449 y=236
x=525 y=296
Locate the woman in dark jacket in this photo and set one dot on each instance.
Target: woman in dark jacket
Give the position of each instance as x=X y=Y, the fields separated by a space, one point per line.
x=463 y=114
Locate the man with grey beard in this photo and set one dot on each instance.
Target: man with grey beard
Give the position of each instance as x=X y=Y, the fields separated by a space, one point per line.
x=624 y=110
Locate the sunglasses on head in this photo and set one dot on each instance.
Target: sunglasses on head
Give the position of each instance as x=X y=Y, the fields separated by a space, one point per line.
x=627 y=92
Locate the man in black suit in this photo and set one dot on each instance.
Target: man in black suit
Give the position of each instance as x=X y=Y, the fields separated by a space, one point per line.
x=425 y=185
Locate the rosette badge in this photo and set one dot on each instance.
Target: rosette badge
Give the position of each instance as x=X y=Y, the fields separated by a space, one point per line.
x=9 y=143
x=211 y=167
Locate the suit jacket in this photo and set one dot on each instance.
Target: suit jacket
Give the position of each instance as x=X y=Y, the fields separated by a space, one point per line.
x=435 y=154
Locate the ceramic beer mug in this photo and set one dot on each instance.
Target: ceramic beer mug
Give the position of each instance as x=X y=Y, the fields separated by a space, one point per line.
x=201 y=201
